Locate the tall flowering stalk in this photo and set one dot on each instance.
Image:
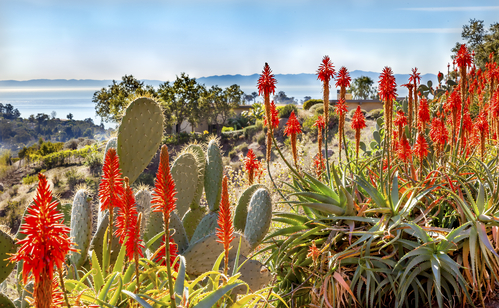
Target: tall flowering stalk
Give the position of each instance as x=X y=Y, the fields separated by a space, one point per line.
x=274 y=114
x=463 y=60
x=325 y=73
x=404 y=149
x=164 y=201
x=453 y=105
x=482 y=125
x=410 y=86
x=415 y=78
x=401 y=122
x=342 y=81
x=439 y=134
x=46 y=244
x=225 y=230
x=111 y=190
x=266 y=85
x=292 y=129
x=358 y=123
x=251 y=165
x=387 y=94
x=341 y=111
x=321 y=125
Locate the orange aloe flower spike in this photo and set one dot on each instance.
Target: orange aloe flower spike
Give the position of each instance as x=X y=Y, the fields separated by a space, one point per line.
x=225 y=230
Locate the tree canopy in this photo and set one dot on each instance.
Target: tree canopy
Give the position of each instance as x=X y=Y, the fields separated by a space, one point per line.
x=480 y=40
x=362 y=87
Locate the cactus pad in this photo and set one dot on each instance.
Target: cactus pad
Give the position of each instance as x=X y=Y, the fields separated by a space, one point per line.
x=242 y=207
x=254 y=273
x=5 y=302
x=112 y=143
x=139 y=136
x=208 y=225
x=97 y=241
x=179 y=236
x=185 y=174
x=7 y=247
x=143 y=199
x=192 y=219
x=198 y=152
x=213 y=176
x=259 y=217
x=202 y=254
x=81 y=227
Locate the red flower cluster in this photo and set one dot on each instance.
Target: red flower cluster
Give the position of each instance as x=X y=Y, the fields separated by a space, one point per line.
x=387 y=85
x=326 y=70
x=423 y=113
x=292 y=126
x=404 y=149
x=343 y=79
x=251 y=165
x=415 y=77
x=421 y=147
x=111 y=185
x=319 y=123
x=164 y=192
x=274 y=115
x=463 y=58
x=225 y=230
x=400 y=119
x=341 y=107
x=266 y=82
x=160 y=256
x=358 y=120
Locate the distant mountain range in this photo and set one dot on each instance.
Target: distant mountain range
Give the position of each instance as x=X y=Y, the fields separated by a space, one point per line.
x=294 y=85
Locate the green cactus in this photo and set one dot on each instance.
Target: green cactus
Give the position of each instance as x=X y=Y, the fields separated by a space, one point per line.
x=185 y=175
x=81 y=226
x=254 y=273
x=143 y=200
x=213 y=176
x=208 y=225
x=180 y=237
x=98 y=240
x=192 y=219
x=198 y=152
x=202 y=254
x=7 y=247
x=259 y=217
x=5 y=302
x=139 y=136
x=112 y=143
x=241 y=212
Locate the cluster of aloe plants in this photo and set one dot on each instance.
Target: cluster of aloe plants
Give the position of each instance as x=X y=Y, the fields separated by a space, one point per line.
x=414 y=220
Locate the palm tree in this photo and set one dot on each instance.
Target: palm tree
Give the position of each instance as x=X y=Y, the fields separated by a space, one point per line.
x=362 y=87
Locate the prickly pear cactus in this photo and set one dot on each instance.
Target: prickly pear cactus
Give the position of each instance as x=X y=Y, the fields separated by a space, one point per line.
x=259 y=217
x=81 y=226
x=241 y=212
x=7 y=247
x=156 y=225
x=192 y=219
x=5 y=302
x=98 y=240
x=143 y=199
x=213 y=176
x=139 y=136
x=254 y=273
x=185 y=175
x=112 y=143
x=198 y=152
x=202 y=254
x=208 y=225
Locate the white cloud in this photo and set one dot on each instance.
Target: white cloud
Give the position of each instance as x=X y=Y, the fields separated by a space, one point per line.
x=413 y=30
x=452 y=8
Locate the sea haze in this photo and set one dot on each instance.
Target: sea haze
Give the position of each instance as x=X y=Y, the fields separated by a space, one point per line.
x=75 y=96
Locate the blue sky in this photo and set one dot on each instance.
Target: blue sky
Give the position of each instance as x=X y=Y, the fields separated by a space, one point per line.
x=106 y=39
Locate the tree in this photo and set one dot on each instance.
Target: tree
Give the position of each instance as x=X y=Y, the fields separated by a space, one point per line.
x=480 y=40
x=255 y=95
x=362 y=87
x=180 y=101
x=282 y=98
x=111 y=102
x=218 y=105
x=9 y=112
x=53 y=114
x=307 y=98
x=89 y=120
x=69 y=116
x=248 y=97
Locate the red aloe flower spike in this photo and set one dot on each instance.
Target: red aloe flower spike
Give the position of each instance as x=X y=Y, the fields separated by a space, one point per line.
x=127 y=213
x=325 y=73
x=225 y=230
x=358 y=123
x=46 y=243
x=482 y=125
x=319 y=165
x=439 y=134
x=387 y=88
x=266 y=85
x=463 y=60
x=423 y=113
x=292 y=129
x=164 y=201
x=404 y=149
x=250 y=165
x=160 y=255
x=321 y=125
x=421 y=147
x=400 y=121
x=415 y=78
x=313 y=252
x=343 y=81
x=274 y=115
x=341 y=110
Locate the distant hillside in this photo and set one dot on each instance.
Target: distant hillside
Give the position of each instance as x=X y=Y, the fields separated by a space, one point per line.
x=295 y=85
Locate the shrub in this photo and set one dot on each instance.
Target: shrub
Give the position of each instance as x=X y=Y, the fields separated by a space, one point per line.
x=319 y=109
x=259 y=125
x=69 y=145
x=243 y=147
x=285 y=111
x=30 y=179
x=232 y=154
x=311 y=102
x=73 y=178
x=374 y=114
x=308 y=124
x=250 y=131
x=232 y=134
x=260 y=138
x=146 y=179
x=227 y=129
x=94 y=162
x=351 y=112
